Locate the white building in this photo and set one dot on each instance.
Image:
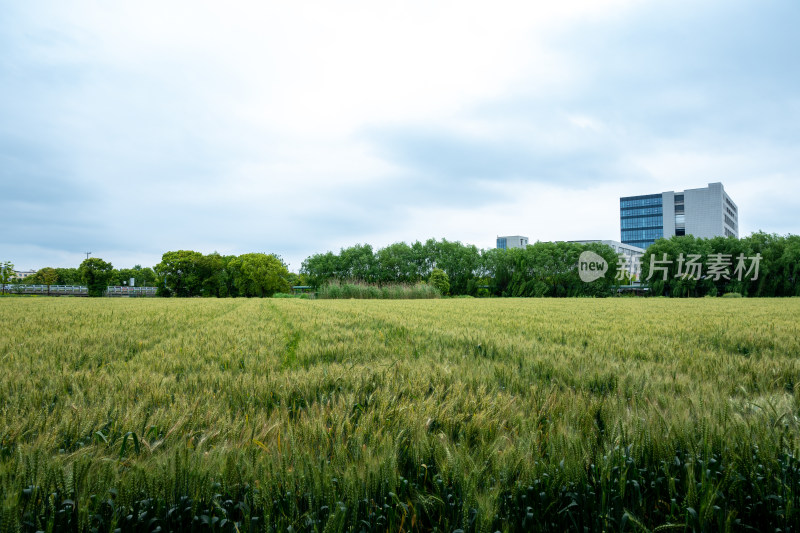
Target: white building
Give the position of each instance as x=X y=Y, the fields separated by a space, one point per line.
x=512 y=241
x=22 y=274
x=706 y=212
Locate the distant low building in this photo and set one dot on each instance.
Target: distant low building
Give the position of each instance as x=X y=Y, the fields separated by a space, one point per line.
x=512 y=241
x=630 y=255
x=22 y=274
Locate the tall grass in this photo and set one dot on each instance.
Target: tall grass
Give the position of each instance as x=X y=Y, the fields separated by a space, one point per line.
x=365 y=291
x=480 y=415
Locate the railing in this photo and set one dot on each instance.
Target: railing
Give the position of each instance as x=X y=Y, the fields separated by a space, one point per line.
x=77 y=290
x=130 y=291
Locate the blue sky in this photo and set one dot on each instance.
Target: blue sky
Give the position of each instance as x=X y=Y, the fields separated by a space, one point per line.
x=132 y=129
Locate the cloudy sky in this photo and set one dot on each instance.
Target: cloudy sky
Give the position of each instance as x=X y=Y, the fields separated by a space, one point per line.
x=132 y=128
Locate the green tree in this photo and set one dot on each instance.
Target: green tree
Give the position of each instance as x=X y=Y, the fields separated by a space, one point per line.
x=297 y=280
x=33 y=279
x=212 y=270
x=395 y=264
x=319 y=269
x=141 y=276
x=771 y=247
x=546 y=269
x=789 y=270
x=357 y=263
x=605 y=286
x=182 y=272
x=401 y=263
x=6 y=273
x=440 y=280
x=480 y=287
x=777 y=265
x=499 y=266
x=95 y=274
x=259 y=275
x=461 y=262
x=49 y=276
x=68 y=276
x=226 y=286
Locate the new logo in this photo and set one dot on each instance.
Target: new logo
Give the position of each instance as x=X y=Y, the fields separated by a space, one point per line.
x=591 y=266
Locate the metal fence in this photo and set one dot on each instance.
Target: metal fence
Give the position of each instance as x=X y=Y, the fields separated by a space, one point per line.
x=77 y=290
x=130 y=291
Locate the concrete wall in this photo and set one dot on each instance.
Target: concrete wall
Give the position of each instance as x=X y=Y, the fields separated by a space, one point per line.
x=704 y=211
x=668 y=208
x=515 y=241
x=735 y=217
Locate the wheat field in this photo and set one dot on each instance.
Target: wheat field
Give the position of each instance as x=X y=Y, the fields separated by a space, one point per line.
x=399 y=415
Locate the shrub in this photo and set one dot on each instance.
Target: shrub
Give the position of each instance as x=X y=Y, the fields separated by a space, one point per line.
x=365 y=291
x=163 y=291
x=440 y=280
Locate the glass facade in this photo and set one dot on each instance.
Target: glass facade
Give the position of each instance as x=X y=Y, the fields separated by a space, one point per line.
x=501 y=243
x=645 y=219
x=650 y=234
x=652 y=221
x=639 y=201
x=634 y=211
x=641 y=219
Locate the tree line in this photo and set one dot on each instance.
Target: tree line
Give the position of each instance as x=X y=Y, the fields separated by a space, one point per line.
x=93 y=273
x=542 y=269
x=190 y=273
x=183 y=273
x=769 y=266
x=761 y=264
x=142 y=276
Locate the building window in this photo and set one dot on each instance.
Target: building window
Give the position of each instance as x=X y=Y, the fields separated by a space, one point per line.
x=638 y=211
x=640 y=201
x=642 y=222
x=649 y=234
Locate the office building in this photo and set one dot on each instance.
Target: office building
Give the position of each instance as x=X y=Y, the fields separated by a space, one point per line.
x=705 y=213
x=512 y=241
